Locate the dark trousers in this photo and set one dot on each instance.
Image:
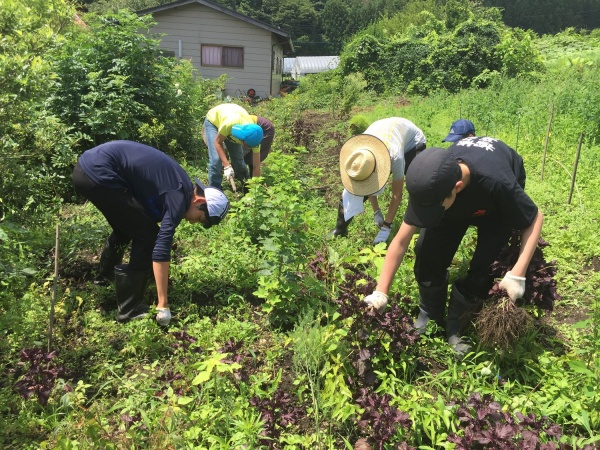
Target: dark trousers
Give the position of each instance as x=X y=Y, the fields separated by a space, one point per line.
x=437 y=245
x=126 y=216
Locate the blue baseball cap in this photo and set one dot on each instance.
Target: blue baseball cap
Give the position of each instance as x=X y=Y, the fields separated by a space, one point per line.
x=460 y=129
x=250 y=133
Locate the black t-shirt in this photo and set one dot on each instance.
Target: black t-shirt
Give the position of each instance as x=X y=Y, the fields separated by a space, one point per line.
x=496 y=188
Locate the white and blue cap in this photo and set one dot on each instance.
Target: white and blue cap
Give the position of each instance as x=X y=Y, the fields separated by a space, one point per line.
x=250 y=133
x=217 y=203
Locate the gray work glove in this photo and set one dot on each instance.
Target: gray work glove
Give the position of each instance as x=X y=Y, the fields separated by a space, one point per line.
x=228 y=172
x=378 y=218
x=382 y=236
x=377 y=300
x=163 y=316
x=514 y=286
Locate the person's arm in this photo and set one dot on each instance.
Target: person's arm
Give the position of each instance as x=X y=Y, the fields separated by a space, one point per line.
x=374 y=202
x=161 y=276
x=219 y=141
x=255 y=164
x=397 y=186
x=394 y=256
x=529 y=240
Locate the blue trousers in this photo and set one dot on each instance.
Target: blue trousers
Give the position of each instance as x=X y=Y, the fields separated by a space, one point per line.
x=215 y=166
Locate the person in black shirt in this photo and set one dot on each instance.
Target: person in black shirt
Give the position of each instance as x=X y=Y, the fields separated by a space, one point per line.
x=478 y=181
x=135 y=187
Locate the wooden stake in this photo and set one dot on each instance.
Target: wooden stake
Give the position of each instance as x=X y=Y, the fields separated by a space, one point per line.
x=233 y=187
x=546 y=142
x=575 y=168
x=50 y=328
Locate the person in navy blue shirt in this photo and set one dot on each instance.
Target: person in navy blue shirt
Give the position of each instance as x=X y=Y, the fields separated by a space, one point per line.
x=136 y=187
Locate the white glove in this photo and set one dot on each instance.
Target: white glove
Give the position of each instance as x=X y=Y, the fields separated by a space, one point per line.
x=514 y=286
x=378 y=218
x=228 y=172
x=376 y=300
x=383 y=235
x=163 y=316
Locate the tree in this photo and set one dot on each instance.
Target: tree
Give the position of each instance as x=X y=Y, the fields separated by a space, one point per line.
x=31 y=140
x=114 y=83
x=335 y=22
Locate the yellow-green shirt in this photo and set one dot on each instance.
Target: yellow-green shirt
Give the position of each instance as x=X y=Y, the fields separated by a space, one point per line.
x=226 y=115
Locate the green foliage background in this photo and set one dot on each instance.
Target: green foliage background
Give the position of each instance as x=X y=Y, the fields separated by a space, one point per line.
x=247 y=289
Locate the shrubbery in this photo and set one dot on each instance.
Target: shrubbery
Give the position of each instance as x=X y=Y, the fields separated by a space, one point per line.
x=431 y=57
x=67 y=88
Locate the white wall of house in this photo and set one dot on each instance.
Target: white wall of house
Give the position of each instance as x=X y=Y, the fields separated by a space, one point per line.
x=187 y=27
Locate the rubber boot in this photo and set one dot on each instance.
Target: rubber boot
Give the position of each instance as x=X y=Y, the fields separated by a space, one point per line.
x=460 y=310
x=432 y=305
x=341 y=226
x=112 y=254
x=130 y=286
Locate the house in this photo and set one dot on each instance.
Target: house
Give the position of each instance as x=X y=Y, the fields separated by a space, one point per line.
x=303 y=65
x=218 y=40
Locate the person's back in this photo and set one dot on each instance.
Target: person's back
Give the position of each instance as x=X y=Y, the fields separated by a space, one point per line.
x=497 y=182
x=145 y=171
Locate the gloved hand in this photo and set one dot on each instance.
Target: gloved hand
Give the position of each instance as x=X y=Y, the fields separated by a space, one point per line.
x=378 y=218
x=163 y=316
x=228 y=172
x=514 y=286
x=376 y=300
x=383 y=235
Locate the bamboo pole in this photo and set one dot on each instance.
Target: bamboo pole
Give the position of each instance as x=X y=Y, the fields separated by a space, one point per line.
x=546 y=141
x=54 y=286
x=575 y=168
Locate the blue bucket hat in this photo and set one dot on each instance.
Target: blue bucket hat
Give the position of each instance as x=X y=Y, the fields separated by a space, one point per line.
x=460 y=129
x=250 y=133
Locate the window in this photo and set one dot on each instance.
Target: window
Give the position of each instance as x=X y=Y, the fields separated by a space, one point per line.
x=218 y=55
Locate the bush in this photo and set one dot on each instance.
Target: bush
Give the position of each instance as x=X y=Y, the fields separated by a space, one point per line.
x=358 y=124
x=113 y=82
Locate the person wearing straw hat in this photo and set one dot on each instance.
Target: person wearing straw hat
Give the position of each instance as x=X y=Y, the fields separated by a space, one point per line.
x=230 y=129
x=480 y=182
x=366 y=161
x=135 y=187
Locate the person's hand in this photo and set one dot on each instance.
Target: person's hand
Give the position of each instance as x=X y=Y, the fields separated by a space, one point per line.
x=228 y=172
x=514 y=286
x=378 y=218
x=163 y=316
x=376 y=300
x=383 y=235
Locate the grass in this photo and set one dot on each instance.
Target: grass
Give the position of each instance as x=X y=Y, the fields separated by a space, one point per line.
x=136 y=385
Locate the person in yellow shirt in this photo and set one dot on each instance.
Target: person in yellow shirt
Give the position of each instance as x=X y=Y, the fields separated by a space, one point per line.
x=235 y=140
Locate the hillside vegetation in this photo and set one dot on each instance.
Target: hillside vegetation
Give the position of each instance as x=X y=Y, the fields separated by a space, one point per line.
x=270 y=346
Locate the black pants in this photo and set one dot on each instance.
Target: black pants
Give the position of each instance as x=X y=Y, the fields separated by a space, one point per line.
x=126 y=216
x=437 y=245
x=410 y=155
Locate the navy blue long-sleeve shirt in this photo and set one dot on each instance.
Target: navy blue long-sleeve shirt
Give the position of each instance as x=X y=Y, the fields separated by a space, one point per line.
x=154 y=179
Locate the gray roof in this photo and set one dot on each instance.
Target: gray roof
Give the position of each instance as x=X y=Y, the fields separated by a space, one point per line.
x=284 y=38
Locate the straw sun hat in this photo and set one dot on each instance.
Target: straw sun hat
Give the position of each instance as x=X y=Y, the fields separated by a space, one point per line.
x=364 y=164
